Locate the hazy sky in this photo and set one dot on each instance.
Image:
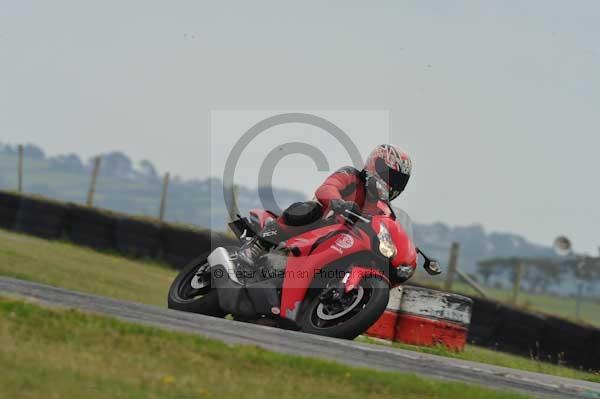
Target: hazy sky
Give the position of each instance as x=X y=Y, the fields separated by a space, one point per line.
x=498 y=102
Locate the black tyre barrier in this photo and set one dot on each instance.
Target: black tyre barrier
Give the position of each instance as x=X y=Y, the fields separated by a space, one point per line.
x=140 y=238
x=519 y=331
x=593 y=361
x=40 y=217
x=222 y=240
x=484 y=322
x=533 y=335
x=181 y=245
x=9 y=206
x=91 y=227
x=563 y=341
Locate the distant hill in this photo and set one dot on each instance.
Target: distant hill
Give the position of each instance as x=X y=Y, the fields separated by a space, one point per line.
x=135 y=188
x=126 y=186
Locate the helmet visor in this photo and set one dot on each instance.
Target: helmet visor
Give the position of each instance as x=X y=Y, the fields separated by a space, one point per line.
x=396 y=180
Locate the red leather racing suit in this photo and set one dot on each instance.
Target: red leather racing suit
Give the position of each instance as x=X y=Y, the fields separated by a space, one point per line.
x=348 y=184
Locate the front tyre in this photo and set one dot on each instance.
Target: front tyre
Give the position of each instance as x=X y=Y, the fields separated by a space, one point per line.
x=191 y=291
x=350 y=315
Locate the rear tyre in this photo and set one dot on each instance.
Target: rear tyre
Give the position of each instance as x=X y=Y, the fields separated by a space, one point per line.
x=356 y=312
x=191 y=291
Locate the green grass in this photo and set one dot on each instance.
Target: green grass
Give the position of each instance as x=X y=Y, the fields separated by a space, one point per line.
x=67 y=354
x=488 y=356
x=78 y=268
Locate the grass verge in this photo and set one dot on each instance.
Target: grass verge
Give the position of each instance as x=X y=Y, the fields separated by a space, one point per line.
x=488 y=356
x=78 y=268
x=47 y=353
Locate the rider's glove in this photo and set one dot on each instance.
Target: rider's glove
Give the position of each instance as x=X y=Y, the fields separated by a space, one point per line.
x=340 y=206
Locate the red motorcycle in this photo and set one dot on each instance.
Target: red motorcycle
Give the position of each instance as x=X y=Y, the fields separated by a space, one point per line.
x=331 y=276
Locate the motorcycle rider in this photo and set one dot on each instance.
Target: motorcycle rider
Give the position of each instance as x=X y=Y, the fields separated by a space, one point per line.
x=384 y=177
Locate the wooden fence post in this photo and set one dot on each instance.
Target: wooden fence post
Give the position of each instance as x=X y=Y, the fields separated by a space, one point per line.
x=20 y=170
x=452 y=265
x=578 y=300
x=470 y=282
x=95 y=171
x=517 y=284
x=163 y=197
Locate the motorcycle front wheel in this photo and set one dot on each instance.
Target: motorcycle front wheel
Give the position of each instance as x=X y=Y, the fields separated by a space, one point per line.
x=350 y=315
x=191 y=291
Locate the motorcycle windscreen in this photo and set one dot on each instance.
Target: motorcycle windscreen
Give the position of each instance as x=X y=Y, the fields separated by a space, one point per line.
x=406 y=222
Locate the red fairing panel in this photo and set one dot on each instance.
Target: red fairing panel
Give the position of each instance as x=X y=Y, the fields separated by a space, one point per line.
x=301 y=270
x=261 y=216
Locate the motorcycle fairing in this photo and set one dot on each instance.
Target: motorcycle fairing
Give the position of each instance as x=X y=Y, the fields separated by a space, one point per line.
x=264 y=297
x=313 y=254
x=233 y=297
x=241 y=298
x=261 y=217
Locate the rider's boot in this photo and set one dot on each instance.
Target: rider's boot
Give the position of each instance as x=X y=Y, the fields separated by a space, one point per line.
x=252 y=250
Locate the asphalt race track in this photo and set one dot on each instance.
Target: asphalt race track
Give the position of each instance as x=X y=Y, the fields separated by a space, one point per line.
x=346 y=352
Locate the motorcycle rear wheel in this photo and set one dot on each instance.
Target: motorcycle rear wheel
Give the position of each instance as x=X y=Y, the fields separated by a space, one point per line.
x=191 y=292
x=367 y=303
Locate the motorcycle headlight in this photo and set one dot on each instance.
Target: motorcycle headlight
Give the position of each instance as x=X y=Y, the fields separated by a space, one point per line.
x=386 y=245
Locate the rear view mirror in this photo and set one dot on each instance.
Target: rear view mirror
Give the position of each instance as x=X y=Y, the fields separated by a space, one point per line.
x=432 y=267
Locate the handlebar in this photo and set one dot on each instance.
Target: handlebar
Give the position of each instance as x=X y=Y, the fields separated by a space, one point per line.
x=354 y=217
